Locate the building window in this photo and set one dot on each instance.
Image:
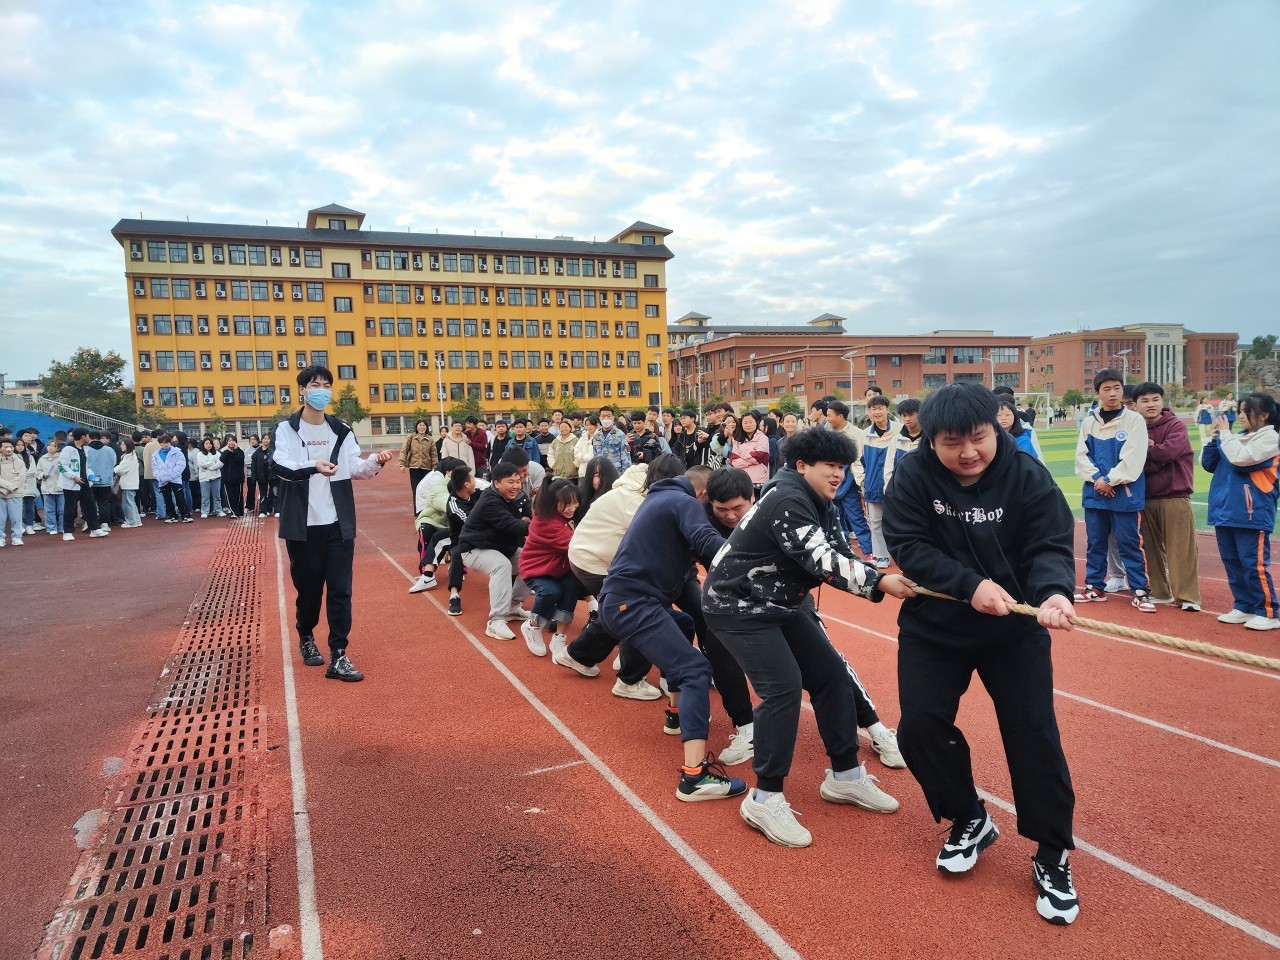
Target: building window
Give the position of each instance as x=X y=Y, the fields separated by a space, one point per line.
x=517 y=328
x=966 y=355
x=391 y=392
x=571 y=267
x=235 y=253
x=450 y=262
x=164 y=360
x=262 y=326
x=168 y=397
x=382 y=259
x=1008 y=380
x=936 y=355
x=157 y=250
x=159 y=287
x=1004 y=354
x=630 y=297
x=652 y=340
x=388 y=359
x=346 y=372
x=629 y=270
x=186 y=359
x=387 y=326
x=267 y=396
x=342 y=271
x=650 y=279
x=182 y=324
x=633 y=329
x=262 y=359
x=241 y=326
x=188 y=396
x=341 y=304
x=575 y=298
x=406 y=359
x=650 y=309
x=466 y=262
x=932 y=381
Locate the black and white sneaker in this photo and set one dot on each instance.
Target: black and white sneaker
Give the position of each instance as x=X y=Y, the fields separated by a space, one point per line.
x=967 y=840
x=671 y=723
x=311 y=654
x=455 y=606
x=1056 y=899
x=711 y=782
x=342 y=669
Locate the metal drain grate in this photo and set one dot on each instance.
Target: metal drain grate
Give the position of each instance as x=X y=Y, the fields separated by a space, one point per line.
x=179 y=871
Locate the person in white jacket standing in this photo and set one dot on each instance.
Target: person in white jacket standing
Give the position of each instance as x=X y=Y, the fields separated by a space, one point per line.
x=128 y=473
x=47 y=480
x=316 y=456
x=585 y=448
x=208 y=465
x=13 y=477
x=74 y=476
x=167 y=465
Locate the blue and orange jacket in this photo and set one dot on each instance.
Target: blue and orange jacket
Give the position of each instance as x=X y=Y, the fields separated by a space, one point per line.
x=1243 y=490
x=1117 y=452
x=875 y=466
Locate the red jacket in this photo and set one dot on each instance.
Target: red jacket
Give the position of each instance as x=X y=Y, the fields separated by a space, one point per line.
x=1169 y=458
x=479 y=441
x=546 y=549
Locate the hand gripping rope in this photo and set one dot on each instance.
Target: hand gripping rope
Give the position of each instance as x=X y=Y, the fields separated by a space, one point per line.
x=1116 y=630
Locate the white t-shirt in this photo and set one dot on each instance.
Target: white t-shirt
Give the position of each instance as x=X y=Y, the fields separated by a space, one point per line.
x=319 y=441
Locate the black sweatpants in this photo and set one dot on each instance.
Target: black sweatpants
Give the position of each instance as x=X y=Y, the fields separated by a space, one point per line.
x=782 y=659
x=175 y=499
x=1018 y=675
x=320 y=566
x=416 y=476
x=730 y=681
x=81 y=496
x=594 y=644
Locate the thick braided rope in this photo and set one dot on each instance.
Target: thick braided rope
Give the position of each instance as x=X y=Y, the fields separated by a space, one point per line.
x=1115 y=629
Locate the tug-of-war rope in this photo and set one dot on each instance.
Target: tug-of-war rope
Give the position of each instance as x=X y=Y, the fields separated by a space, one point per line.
x=1146 y=636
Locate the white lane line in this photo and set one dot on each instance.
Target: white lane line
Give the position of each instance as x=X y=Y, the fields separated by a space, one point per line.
x=770 y=937
x=1258 y=933
x=1138 y=718
x=558 y=766
x=308 y=913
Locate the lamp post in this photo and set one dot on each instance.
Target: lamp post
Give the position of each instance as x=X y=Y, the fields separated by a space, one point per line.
x=697 y=361
x=849 y=356
x=1239 y=355
x=440 y=386
x=1124 y=357
x=991 y=359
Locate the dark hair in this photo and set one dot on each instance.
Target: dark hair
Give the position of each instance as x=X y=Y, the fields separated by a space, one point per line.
x=515 y=455
x=1105 y=376
x=471 y=420
x=1261 y=406
x=909 y=405
x=839 y=407
x=1003 y=390
x=163 y=438
x=128 y=444
x=591 y=418
x=424 y=423
x=542 y=420
x=1130 y=392
x=740 y=435
x=136 y=437
x=699 y=473
x=1017 y=429
x=79 y=433
x=639 y=416
x=729 y=483
x=307 y=374
x=820 y=446
x=1142 y=389
x=663 y=468
x=822 y=405
x=557 y=410
x=552 y=496
x=449 y=464
x=458 y=478
x=505 y=468
x=612 y=412
x=603 y=468
x=878 y=401
x=958 y=409
x=873 y=389
x=211 y=441
x=520 y=420
x=672 y=410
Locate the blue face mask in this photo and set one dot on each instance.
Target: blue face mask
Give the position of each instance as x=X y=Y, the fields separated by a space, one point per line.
x=318 y=397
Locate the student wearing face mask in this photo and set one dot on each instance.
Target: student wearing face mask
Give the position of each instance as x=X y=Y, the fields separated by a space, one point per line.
x=611 y=441
x=316 y=456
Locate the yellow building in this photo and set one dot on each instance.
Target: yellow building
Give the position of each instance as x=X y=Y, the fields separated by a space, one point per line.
x=224 y=315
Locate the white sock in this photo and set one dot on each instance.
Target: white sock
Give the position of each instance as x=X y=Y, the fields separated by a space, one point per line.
x=592 y=605
x=877 y=729
x=763 y=796
x=747 y=731
x=850 y=776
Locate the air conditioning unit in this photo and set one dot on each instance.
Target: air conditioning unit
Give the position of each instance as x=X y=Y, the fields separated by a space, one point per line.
x=543 y=270
x=559 y=301
x=279 y=295
x=422 y=298
x=204 y=328
x=142 y=328
x=424 y=363
x=422 y=327
x=484 y=298
x=417 y=263
x=206 y=365
x=546 y=299
x=501 y=297
x=617 y=271
x=208 y=401
x=148 y=402
x=298 y=295
x=217 y=258
x=488 y=363
x=295 y=261
x=502 y=363
x=223 y=328
x=435 y=298
x=276 y=261
x=144 y=364
x=617 y=299
x=139 y=290
x=226 y=364
x=279 y=328
x=198 y=255
x=482 y=266
x=284 y=364
x=559 y=271
x=200 y=290
x=137 y=254
x=301 y=364
x=284 y=396
x=506 y=394
x=497 y=266
x=435 y=263
x=608 y=390
x=564 y=363
x=488 y=394
x=220 y=293
x=299 y=328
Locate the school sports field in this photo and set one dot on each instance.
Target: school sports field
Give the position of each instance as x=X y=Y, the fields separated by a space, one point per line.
x=1058 y=444
x=177 y=784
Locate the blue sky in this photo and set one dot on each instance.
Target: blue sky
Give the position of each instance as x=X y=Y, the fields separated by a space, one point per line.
x=1023 y=167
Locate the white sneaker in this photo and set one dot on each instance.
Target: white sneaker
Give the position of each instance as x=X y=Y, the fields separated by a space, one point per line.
x=1190 y=606
x=35 y=527
x=887 y=747
x=425 y=582
x=642 y=689
x=617 y=663
x=29 y=530
x=533 y=638
x=861 y=793
x=565 y=659
x=68 y=536
x=1162 y=601
x=741 y=748
x=775 y=819
x=105 y=528
x=1235 y=616
x=97 y=533
x=1116 y=584
x=559 y=642
x=261 y=516
x=498 y=630
x=1257 y=623
x=17 y=541
x=518 y=613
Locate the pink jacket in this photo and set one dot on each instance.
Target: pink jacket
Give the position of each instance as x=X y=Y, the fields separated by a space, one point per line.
x=752 y=455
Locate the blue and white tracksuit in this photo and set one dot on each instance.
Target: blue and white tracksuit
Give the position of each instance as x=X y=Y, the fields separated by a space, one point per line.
x=873 y=470
x=1116 y=451
x=1242 y=511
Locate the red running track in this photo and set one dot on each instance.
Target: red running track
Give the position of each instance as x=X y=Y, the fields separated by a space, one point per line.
x=470 y=800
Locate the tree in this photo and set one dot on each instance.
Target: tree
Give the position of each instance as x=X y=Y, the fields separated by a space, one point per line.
x=1263 y=347
x=1073 y=398
x=539 y=409
x=283 y=412
x=468 y=406
x=689 y=406
x=419 y=413
x=788 y=403
x=217 y=426
x=569 y=404
x=348 y=407
x=91 y=380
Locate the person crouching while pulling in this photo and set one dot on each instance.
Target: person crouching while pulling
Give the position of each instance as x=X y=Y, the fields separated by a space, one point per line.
x=968 y=516
x=756 y=600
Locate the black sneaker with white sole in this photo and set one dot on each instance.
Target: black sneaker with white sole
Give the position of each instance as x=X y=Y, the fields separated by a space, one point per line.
x=342 y=669
x=1056 y=899
x=671 y=723
x=311 y=654
x=711 y=782
x=968 y=839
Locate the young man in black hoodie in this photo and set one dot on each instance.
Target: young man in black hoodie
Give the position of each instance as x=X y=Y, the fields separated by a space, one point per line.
x=968 y=517
x=756 y=600
x=490 y=543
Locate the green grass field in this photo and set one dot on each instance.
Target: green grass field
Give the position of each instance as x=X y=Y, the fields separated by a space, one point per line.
x=1059 y=447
